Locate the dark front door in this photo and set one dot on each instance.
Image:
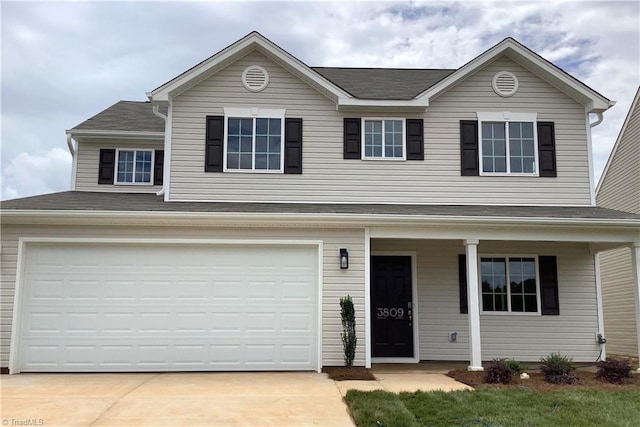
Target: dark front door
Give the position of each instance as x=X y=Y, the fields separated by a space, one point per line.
x=391 y=306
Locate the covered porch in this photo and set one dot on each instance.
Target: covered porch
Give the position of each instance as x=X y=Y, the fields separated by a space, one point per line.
x=471 y=291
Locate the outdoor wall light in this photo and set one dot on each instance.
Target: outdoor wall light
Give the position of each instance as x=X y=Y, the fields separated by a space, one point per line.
x=344 y=258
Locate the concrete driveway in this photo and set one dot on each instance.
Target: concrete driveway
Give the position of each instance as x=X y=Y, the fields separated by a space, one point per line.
x=173 y=399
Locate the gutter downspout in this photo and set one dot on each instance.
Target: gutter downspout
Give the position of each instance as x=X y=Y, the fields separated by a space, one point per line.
x=74 y=159
x=592 y=186
x=156 y=111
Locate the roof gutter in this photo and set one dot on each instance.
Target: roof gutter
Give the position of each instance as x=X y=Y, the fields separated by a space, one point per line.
x=114 y=134
x=156 y=111
x=321 y=218
x=72 y=148
x=600 y=118
x=592 y=178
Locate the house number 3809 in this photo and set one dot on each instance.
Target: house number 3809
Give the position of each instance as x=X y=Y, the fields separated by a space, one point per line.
x=395 y=312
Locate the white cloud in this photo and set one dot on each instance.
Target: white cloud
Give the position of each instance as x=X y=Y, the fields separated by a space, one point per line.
x=44 y=173
x=55 y=75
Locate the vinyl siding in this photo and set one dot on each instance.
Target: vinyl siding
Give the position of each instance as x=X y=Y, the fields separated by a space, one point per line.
x=620 y=189
x=618 y=302
x=327 y=177
x=89 y=159
x=336 y=282
x=522 y=337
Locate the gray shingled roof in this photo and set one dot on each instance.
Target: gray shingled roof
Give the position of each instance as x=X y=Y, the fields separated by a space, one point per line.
x=383 y=83
x=364 y=83
x=122 y=202
x=126 y=116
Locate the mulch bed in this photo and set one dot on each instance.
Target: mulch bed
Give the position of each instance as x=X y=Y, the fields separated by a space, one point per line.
x=586 y=380
x=342 y=373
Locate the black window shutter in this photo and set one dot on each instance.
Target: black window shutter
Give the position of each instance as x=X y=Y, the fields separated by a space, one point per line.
x=214 y=144
x=107 y=166
x=293 y=146
x=547 y=149
x=469 y=164
x=352 y=138
x=462 y=277
x=415 y=139
x=158 y=167
x=549 y=285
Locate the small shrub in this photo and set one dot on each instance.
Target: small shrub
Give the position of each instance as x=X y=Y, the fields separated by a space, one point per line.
x=349 y=339
x=516 y=366
x=558 y=369
x=614 y=370
x=498 y=372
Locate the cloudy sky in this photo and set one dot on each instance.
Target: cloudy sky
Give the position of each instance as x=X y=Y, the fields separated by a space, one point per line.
x=63 y=62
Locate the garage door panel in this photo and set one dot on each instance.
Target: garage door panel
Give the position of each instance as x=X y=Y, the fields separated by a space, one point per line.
x=91 y=308
x=127 y=355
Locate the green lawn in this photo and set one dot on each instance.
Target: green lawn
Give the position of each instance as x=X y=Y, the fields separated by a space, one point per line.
x=492 y=407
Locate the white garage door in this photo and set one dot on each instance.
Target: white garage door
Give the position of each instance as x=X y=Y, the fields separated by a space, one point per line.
x=90 y=307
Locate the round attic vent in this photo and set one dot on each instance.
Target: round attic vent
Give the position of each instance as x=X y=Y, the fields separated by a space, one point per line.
x=505 y=83
x=255 y=78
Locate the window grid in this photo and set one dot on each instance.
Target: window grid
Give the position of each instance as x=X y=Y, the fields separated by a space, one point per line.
x=521 y=147
x=384 y=139
x=494 y=288
x=134 y=167
x=508 y=147
x=494 y=153
x=522 y=285
x=509 y=284
x=254 y=144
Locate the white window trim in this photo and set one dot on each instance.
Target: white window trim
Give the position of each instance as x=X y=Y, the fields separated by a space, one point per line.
x=135 y=150
x=509 y=312
x=253 y=113
x=506 y=117
x=404 y=139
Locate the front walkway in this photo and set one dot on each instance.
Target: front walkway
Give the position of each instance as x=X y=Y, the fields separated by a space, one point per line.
x=396 y=378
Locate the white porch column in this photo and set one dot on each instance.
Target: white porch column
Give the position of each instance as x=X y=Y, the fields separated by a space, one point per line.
x=473 y=303
x=635 y=263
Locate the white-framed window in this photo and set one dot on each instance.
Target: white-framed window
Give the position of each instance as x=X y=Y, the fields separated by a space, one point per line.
x=254 y=140
x=383 y=138
x=508 y=143
x=509 y=284
x=134 y=167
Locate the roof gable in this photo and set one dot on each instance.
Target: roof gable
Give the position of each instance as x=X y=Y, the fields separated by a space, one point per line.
x=252 y=41
x=593 y=101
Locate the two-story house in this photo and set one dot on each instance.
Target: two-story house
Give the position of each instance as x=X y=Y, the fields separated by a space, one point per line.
x=217 y=226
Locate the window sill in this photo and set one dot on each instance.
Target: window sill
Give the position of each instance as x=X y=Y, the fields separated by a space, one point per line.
x=257 y=171
x=143 y=184
x=502 y=174
x=510 y=313
x=382 y=159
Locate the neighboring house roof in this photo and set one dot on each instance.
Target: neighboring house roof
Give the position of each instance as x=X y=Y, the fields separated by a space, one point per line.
x=127 y=116
x=383 y=83
x=348 y=93
x=128 y=202
x=635 y=105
